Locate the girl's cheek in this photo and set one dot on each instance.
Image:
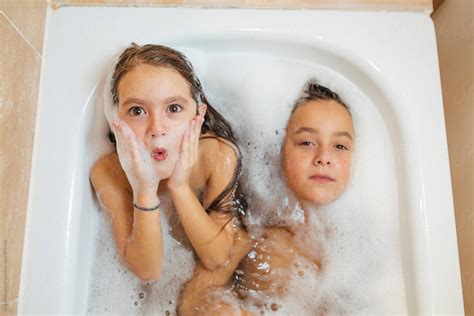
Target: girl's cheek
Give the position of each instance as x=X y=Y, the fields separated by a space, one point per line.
x=137 y=130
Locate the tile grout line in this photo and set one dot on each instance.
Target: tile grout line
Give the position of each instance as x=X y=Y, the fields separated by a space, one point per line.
x=21 y=34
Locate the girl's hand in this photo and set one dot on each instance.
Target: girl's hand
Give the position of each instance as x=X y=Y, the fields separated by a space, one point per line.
x=188 y=155
x=135 y=160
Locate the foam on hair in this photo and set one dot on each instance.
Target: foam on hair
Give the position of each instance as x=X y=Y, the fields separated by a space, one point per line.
x=110 y=110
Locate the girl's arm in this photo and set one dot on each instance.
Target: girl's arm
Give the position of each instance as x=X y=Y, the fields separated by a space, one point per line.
x=137 y=233
x=121 y=181
x=212 y=235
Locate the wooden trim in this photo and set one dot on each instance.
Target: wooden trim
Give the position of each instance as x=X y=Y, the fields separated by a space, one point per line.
x=405 y=5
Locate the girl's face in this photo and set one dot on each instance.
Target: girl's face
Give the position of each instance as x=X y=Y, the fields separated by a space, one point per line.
x=317 y=151
x=157 y=104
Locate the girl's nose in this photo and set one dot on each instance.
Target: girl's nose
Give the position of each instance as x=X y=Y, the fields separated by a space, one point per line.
x=323 y=157
x=156 y=128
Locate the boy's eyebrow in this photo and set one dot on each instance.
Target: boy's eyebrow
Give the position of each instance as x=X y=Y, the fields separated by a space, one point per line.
x=315 y=131
x=346 y=134
x=307 y=130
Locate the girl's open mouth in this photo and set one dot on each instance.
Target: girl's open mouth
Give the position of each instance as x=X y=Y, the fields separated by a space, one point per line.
x=159 y=154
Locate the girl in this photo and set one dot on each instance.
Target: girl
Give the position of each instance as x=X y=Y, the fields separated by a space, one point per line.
x=169 y=140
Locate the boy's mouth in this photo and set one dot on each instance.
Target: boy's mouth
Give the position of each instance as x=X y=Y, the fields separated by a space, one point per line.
x=159 y=154
x=323 y=178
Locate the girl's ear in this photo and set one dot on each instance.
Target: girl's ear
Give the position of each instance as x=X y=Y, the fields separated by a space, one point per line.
x=202 y=108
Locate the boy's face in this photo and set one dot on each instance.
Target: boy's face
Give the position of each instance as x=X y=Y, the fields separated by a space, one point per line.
x=317 y=151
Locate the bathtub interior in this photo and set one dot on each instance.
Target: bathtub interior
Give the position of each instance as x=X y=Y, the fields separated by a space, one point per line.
x=248 y=72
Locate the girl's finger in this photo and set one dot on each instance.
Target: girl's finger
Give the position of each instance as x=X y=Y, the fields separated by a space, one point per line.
x=129 y=139
x=196 y=135
x=185 y=144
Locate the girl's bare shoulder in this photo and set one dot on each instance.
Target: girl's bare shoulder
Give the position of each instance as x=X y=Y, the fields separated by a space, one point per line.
x=108 y=169
x=217 y=153
x=212 y=144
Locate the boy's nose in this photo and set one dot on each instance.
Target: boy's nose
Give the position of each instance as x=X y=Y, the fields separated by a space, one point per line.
x=323 y=157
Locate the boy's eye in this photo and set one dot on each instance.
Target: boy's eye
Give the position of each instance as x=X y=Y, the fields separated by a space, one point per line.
x=305 y=143
x=136 y=111
x=175 y=108
x=341 y=147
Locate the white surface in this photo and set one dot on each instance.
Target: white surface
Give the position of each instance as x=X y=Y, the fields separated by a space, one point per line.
x=391 y=57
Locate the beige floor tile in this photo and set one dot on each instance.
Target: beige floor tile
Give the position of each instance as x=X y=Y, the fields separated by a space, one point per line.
x=29 y=17
x=19 y=75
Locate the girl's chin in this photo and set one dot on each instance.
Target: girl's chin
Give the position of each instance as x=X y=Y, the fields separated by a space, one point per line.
x=165 y=170
x=164 y=174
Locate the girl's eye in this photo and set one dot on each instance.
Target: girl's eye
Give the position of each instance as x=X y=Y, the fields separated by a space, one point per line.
x=175 y=108
x=341 y=147
x=136 y=111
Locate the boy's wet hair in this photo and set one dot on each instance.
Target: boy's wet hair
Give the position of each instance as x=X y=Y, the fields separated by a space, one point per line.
x=313 y=91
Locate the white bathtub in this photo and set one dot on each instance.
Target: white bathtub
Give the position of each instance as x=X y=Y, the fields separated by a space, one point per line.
x=390 y=56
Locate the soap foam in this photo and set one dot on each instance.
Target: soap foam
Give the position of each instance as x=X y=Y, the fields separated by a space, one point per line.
x=357 y=235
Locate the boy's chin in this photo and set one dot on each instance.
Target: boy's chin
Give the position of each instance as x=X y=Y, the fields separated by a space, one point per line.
x=319 y=199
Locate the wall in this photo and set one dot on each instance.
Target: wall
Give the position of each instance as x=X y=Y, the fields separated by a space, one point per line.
x=454 y=21
x=22 y=27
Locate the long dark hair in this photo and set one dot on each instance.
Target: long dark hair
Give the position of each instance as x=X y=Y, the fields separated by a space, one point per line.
x=214 y=122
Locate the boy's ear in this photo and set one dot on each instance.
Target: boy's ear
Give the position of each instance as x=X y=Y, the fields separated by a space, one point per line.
x=202 y=108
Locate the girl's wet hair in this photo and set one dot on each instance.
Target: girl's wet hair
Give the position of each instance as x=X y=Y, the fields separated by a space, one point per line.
x=313 y=91
x=231 y=199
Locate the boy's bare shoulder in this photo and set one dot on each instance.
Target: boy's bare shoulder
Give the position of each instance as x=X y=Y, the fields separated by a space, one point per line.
x=278 y=233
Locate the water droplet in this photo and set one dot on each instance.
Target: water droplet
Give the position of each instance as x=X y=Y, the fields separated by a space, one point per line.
x=252 y=254
x=274 y=307
x=141 y=296
x=136 y=303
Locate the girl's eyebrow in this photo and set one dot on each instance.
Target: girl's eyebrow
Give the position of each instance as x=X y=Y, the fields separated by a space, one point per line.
x=175 y=98
x=167 y=100
x=133 y=100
